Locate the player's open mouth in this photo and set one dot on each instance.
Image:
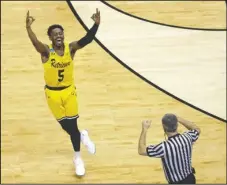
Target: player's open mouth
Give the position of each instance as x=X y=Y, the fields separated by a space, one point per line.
x=59 y=41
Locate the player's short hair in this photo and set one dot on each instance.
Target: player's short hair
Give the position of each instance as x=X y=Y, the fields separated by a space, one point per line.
x=170 y=122
x=53 y=27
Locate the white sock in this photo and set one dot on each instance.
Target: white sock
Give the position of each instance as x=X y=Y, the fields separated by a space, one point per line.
x=85 y=138
x=82 y=138
x=77 y=154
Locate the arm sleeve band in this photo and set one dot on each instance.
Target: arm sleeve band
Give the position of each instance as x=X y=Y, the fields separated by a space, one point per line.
x=89 y=36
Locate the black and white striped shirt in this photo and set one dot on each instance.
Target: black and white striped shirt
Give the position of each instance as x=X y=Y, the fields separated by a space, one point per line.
x=176 y=155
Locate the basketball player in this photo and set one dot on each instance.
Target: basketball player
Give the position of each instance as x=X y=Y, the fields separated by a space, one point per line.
x=57 y=59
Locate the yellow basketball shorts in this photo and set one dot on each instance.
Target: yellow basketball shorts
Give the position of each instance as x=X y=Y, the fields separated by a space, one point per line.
x=62 y=103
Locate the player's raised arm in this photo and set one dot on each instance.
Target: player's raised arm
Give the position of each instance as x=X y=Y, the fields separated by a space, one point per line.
x=88 y=38
x=39 y=46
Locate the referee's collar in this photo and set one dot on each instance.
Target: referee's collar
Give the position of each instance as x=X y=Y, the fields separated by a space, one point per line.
x=173 y=136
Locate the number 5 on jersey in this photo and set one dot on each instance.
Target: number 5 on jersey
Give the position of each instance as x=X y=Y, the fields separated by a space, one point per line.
x=60 y=75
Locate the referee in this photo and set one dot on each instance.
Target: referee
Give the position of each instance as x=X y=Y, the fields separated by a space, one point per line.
x=175 y=152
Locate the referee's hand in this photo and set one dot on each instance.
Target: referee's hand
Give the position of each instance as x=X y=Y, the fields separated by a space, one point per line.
x=146 y=124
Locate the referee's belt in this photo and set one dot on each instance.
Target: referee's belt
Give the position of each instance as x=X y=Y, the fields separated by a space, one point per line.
x=56 y=88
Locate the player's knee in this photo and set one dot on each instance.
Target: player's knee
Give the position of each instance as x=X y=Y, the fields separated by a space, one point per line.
x=70 y=126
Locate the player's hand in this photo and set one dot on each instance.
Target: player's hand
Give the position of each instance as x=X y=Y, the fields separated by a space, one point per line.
x=146 y=124
x=96 y=17
x=29 y=20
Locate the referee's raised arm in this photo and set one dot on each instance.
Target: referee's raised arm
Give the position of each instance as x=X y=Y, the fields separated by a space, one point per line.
x=149 y=150
x=142 y=140
x=188 y=124
x=194 y=130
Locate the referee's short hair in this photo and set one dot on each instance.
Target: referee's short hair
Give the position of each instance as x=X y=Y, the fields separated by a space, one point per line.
x=170 y=122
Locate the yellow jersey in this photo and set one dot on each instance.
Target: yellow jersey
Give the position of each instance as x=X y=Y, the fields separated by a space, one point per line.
x=58 y=70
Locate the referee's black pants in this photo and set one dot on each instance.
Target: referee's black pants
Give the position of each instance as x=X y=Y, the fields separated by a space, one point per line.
x=190 y=179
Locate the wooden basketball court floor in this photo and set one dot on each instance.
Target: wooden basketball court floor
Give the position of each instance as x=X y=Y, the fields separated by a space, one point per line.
x=112 y=103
